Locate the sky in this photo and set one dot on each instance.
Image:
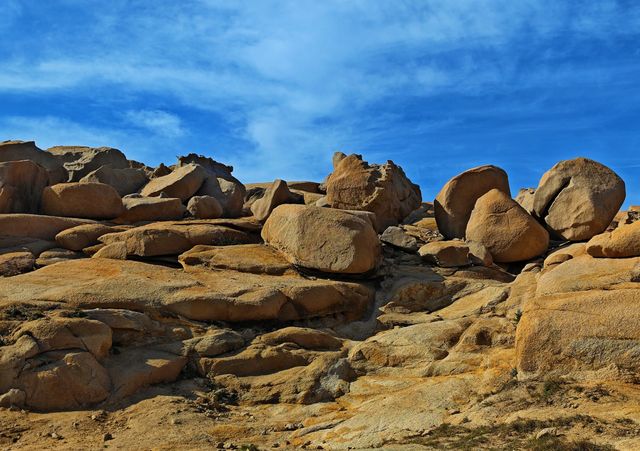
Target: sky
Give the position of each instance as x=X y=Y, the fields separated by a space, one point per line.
x=275 y=87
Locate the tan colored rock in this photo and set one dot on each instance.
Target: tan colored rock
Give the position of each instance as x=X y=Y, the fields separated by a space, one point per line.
x=37 y=226
x=63 y=380
x=446 y=253
x=21 y=185
x=57 y=255
x=525 y=199
x=328 y=240
x=134 y=369
x=14 y=263
x=204 y=207
x=254 y=258
x=173 y=238
x=123 y=180
x=219 y=183
x=82 y=200
x=27 y=150
x=142 y=209
x=198 y=294
x=583 y=321
x=382 y=189
x=276 y=194
x=622 y=242
x=79 y=237
x=577 y=199
x=182 y=183
x=117 y=251
x=79 y=161
x=564 y=253
x=60 y=333
x=506 y=229
x=397 y=237
x=456 y=199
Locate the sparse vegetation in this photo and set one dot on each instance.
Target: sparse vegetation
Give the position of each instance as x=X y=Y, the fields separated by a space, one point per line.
x=517 y=435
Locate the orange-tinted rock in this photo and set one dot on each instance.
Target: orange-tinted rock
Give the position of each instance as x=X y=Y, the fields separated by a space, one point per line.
x=82 y=200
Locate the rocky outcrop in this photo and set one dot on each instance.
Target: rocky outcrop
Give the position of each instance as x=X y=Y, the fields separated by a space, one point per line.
x=37 y=226
x=174 y=238
x=27 y=150
x=82 y=200
x=582 y=321
x=276 y=194
x=505 y=228
x=381 y=189
x=79 y=237
x=196 y=294
x=204 y=207
x=577 y=199
x=79 y=161
x=456 y=199
x=124 y=180
x=327 y=240
x=218 y=183
x=622 y=242
x=182 y=183
x=143 y=209
x=21 y=185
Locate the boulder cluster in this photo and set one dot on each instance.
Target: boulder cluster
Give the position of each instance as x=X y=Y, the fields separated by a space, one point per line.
x=115 y=276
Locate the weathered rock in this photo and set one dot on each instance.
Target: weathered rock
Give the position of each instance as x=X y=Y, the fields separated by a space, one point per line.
x=219 y=183
x=57 y=255
x=276 y=194
x=183 y=182
x=254 y=258
x=117 y=251
x=198 y=294
x=506 y=229
x=173 y=238
x=582 y=322
x=525 y=199
x=577 y=199
x=382 y=189
x=623 y=241
x=21 y=185
x=142 y=209
x=123 y=180
x=137 y=368
x=14 y=263
x=324 y=239
x=446 y=253
x=204 y=207
x=37 y=226
x=82 y=200
x=79 y=237
x=456 y=199
x=397 y=237
x=27 y=150
x=60 y=333
x=81 y=160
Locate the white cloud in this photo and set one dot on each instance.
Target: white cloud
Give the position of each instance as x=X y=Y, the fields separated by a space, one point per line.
x=158 y=121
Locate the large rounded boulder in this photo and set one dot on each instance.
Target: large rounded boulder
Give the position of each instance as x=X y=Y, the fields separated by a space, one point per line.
x=506 y=229
x=82 y=200
x=577 y=199
x=27 y=150
x=456 y=199
x=328 y=240
x=381 y=189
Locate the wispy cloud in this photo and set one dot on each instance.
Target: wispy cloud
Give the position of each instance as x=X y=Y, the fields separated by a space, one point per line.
x=157 y=121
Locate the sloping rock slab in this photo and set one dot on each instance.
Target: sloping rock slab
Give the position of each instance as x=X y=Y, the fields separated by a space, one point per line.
x=199 y=295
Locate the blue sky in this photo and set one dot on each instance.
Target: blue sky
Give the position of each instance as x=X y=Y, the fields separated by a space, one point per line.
x=274 y=87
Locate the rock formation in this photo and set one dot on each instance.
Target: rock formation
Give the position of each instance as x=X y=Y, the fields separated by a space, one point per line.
x=173 y=307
